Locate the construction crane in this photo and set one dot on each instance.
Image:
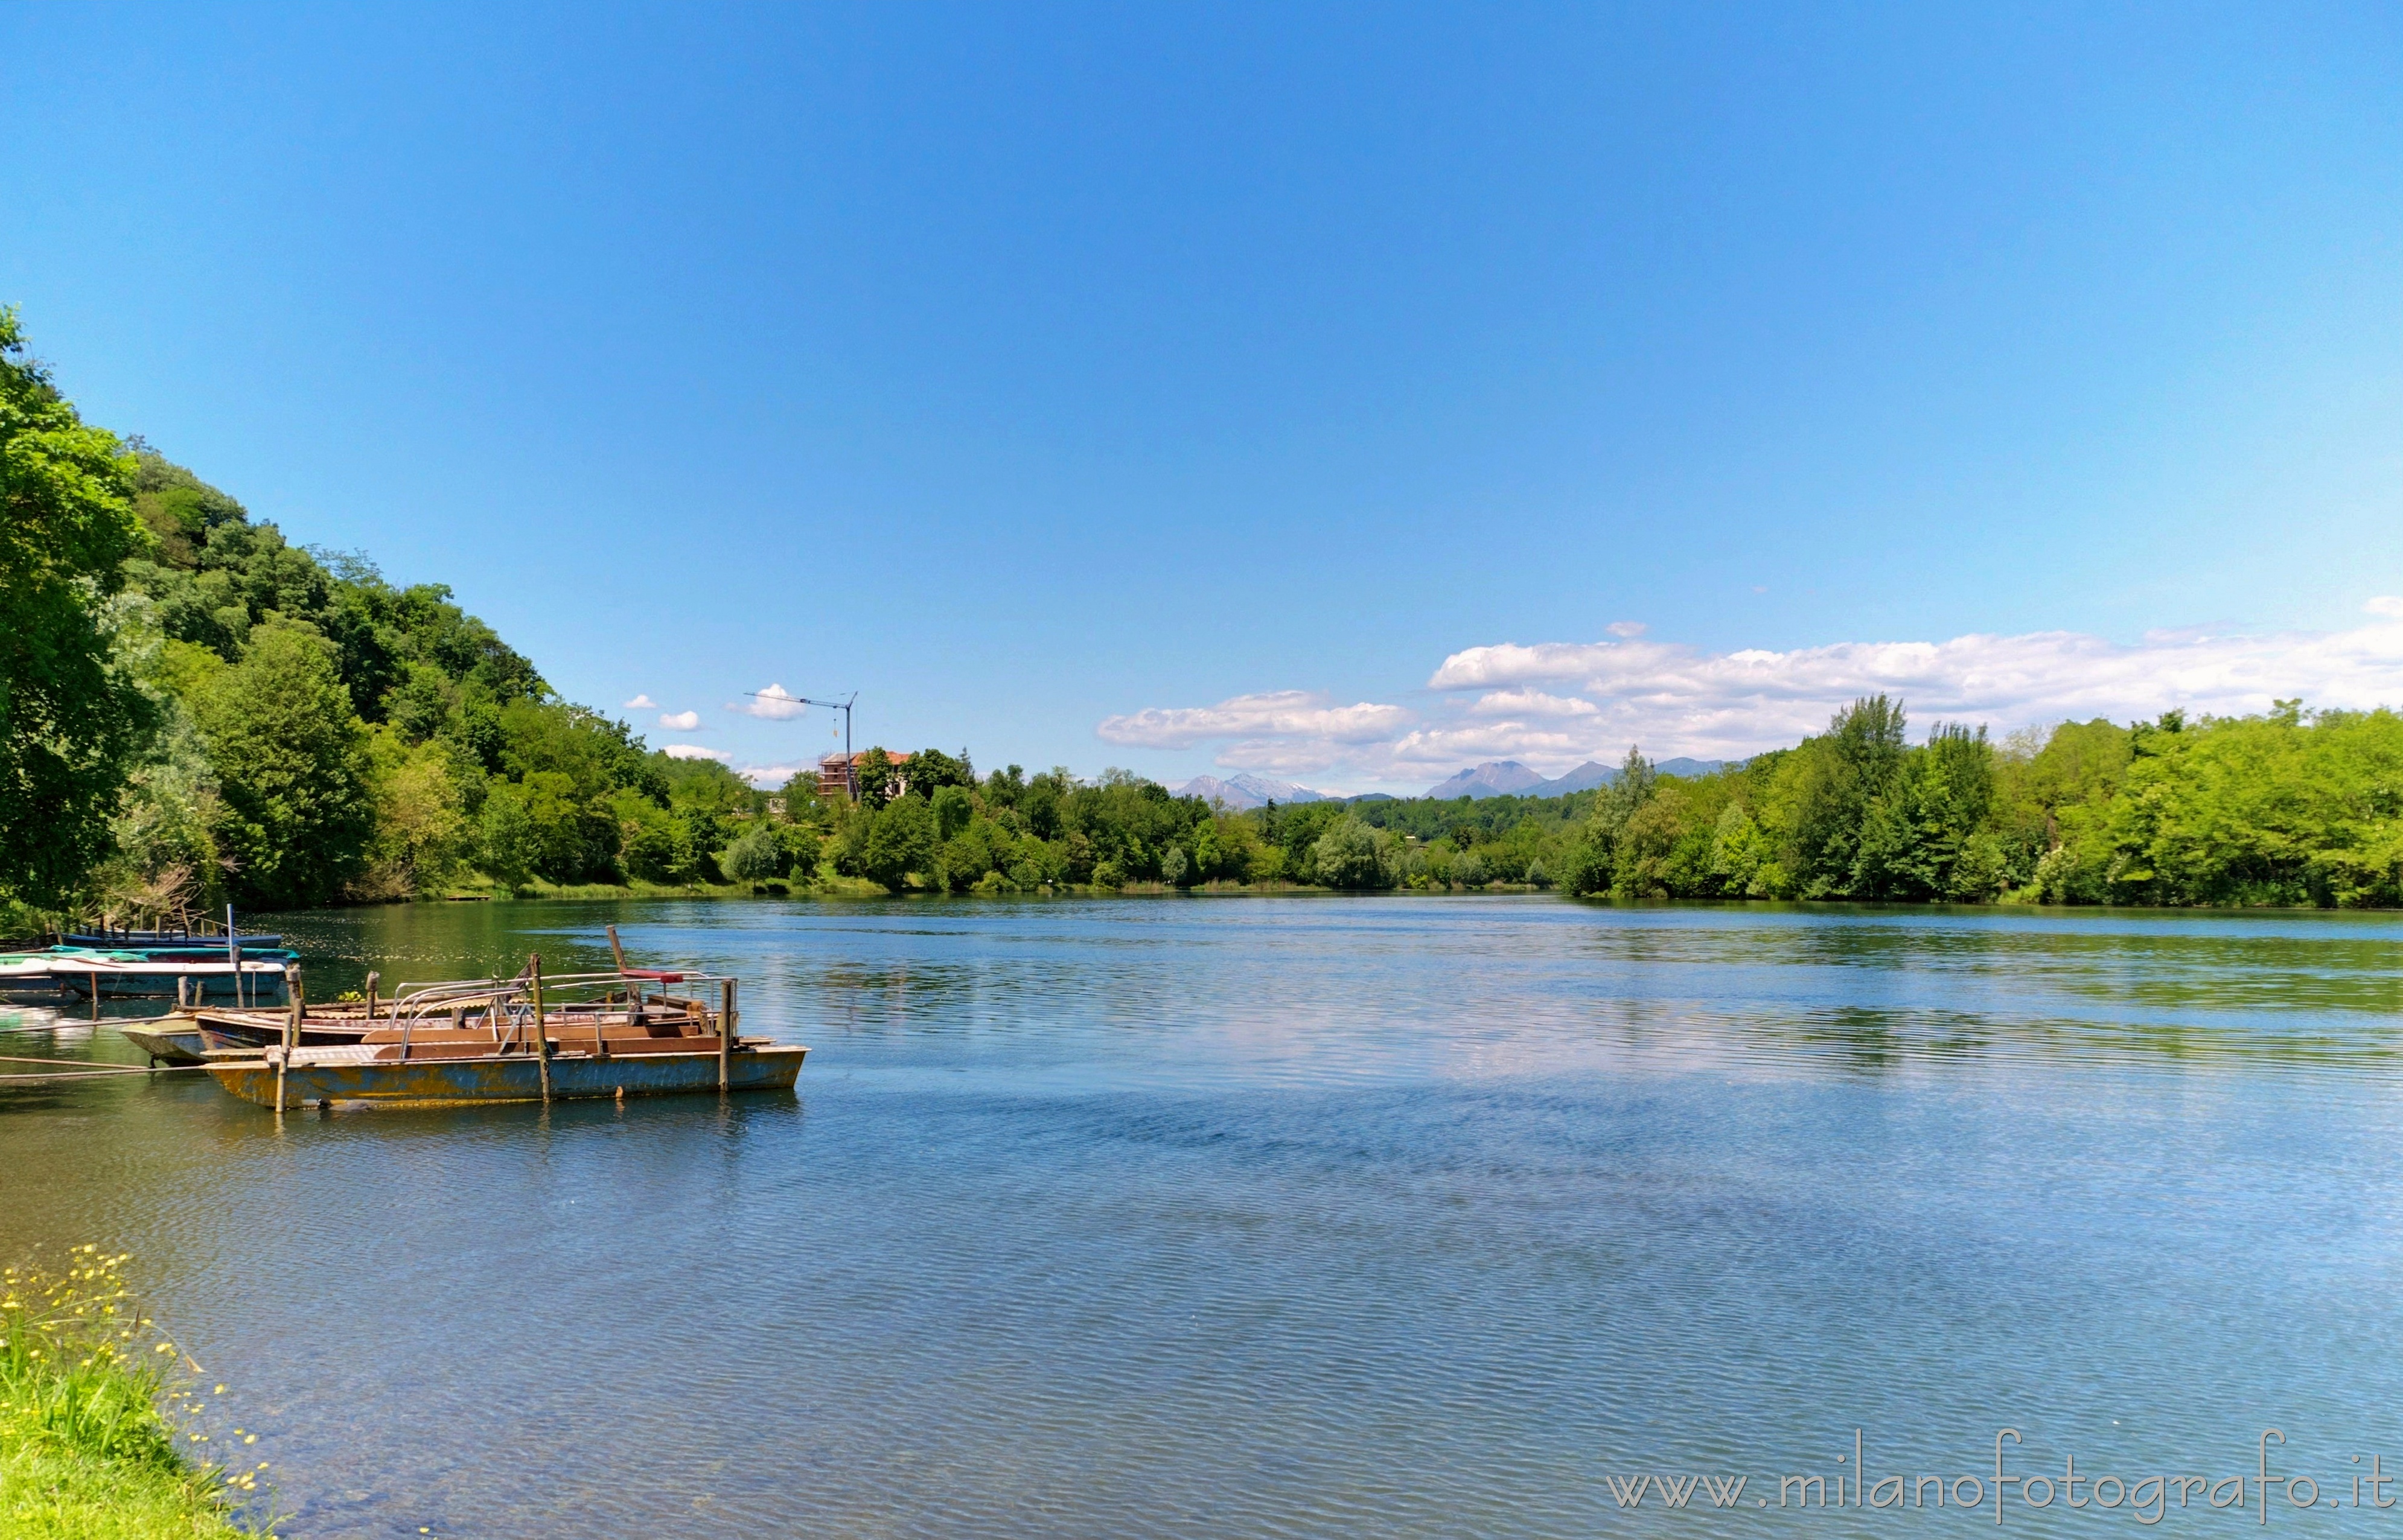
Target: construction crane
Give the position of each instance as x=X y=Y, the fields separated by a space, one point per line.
x=849 y=787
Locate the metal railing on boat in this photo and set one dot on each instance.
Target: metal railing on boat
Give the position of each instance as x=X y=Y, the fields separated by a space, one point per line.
x=528 y=1004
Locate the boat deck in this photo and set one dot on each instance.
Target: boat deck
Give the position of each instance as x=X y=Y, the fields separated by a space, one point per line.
x=495 y=1040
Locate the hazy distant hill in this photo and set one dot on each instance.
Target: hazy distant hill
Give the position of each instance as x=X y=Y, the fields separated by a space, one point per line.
x=1584 y=778
x=1494 y=778
x=1509 y=778
x=1247 y=791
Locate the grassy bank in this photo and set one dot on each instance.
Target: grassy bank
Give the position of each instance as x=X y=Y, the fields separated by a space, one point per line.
x=826 y=885
x=96 y=1413
x=857 y=887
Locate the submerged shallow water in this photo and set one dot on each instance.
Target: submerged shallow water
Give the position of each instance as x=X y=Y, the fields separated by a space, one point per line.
x=1307 y=1216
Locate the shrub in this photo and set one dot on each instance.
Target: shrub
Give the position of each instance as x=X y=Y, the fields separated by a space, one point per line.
x=1350 y=854
x=755 y=857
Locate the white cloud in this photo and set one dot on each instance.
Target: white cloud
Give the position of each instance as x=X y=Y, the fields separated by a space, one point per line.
x=1525 y=703
x=1279 y=714
x=641 y=702
x=694 y=750
x=1679 y=700
x=1448 y=749
x=683 y=721
x=775 y=703
x=770 y=775
x=1675 y=699
x=1629 y=629
x=1282 y=757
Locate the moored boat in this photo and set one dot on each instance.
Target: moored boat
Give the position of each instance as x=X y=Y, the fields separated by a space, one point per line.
x=127 y=974
x=237 y=1029
x=171 y=940
x=521 y=1039
x=170 y=1039
x=28 y=973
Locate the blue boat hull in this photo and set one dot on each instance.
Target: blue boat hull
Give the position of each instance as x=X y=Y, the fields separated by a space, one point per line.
x=509 y=1077
x=145 y=940
x=265 y=985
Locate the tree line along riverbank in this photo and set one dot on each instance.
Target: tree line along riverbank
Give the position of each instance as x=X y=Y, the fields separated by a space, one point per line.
x=193 y=711
x=2286 y=808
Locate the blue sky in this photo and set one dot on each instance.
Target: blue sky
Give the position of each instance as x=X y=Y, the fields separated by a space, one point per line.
x=1307 y=390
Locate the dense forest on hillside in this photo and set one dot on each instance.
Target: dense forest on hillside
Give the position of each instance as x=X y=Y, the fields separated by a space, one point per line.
x=193 y=711
x=196 y=711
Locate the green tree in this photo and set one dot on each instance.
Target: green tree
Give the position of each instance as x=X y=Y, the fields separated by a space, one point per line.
x=291 y=763
x=654 y=844
x=1920 y=838
x=72 y=717
x=1592 y=865
x=877 y=777
x=900 y=840
x=508 y=844
x=955 y=805
x=1353 y=854
x=163 y=858
x=1830 y=783
x=422 y=830
x=2277 y=809
x=803 y=844
x=757 y=857
x=928 y=771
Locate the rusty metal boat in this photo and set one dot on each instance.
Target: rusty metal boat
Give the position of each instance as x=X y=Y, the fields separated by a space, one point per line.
x=530 y=1038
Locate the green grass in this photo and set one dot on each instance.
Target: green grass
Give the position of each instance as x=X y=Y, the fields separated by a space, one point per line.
x=48 y=1494
x=100 y=1426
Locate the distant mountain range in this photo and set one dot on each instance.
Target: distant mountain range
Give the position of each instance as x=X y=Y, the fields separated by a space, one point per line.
x=1494 y=778
x=1509 y=778
x=1247 y=791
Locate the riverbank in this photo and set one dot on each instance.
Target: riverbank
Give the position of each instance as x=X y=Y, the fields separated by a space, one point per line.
x=86 y=1451
x=831 y=886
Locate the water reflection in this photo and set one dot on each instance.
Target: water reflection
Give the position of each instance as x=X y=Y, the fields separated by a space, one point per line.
x=1222 y=1217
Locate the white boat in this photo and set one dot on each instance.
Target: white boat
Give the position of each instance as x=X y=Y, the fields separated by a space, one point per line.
x=130 y=975
x=36 y=972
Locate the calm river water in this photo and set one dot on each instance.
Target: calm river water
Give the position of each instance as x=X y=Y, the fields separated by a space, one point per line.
x=1312 y=1216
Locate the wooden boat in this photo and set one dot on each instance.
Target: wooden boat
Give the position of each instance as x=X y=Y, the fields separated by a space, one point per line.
x=171 y=1039
x=237 y=1029
x=522 y=1039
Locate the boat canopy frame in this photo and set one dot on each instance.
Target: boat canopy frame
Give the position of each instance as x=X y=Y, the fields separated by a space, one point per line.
x=415 y=1000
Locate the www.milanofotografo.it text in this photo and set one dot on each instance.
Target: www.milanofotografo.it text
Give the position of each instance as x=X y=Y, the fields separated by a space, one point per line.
x=2011 y=1482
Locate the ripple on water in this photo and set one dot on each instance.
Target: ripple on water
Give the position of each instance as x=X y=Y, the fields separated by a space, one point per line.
x=1294 y=1217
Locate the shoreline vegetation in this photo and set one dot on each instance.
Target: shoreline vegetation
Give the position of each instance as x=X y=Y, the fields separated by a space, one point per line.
x=97 y=1412
x=194 y=712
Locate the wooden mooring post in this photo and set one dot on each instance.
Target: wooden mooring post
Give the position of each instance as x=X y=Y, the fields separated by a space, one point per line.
x=541 y=1032
x=291 y=1034
x=725 y=1034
